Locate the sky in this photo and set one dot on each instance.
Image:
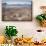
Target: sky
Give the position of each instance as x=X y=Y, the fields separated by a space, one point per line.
x=17 y=1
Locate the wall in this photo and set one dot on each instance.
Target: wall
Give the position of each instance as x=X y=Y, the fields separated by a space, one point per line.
x=25 y=28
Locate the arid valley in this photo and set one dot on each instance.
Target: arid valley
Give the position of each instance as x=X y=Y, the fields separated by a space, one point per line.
x=16 y=13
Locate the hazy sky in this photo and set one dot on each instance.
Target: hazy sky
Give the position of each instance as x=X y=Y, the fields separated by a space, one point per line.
x=17 y=1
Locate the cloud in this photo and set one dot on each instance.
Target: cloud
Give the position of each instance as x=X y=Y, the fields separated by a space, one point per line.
x=17 y=1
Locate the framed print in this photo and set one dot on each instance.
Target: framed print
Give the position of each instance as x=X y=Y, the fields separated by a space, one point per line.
x=16 y=10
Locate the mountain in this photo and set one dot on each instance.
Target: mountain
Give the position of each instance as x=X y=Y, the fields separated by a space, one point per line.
x=4 y=3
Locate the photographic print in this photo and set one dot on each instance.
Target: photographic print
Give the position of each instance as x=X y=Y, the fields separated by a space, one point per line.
x=16 y=10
